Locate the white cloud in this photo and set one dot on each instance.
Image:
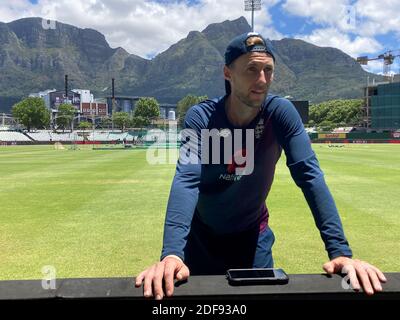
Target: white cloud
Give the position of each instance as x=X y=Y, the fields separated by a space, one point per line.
x=363 y=17
x=378 y=17
x=375 y=66
x=9 y=9
x=269 y=32
x=331 y=37
x=350 y=26
x=339 y=13
x=140 y=27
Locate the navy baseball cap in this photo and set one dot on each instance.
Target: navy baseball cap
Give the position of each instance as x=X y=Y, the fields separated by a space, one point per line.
x=241 y=45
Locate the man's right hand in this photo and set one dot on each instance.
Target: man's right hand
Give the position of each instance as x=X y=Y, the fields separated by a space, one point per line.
x=167 y=270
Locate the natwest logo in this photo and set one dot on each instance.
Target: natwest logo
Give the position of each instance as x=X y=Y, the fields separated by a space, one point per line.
x=230 y=177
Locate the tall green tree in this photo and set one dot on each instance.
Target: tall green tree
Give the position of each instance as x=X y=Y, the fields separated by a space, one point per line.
x=147 y=108
x=140 y=122
x=65 y=115
x=32 y=113
x=121 y=120
x=184 y=105
x=84 y=125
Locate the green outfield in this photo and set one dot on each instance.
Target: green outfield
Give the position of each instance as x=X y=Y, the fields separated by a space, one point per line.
x=100 y=213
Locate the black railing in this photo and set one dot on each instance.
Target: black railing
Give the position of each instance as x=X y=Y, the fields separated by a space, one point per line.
x=301 y=286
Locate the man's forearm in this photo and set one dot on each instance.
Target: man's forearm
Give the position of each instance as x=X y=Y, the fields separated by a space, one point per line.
x=180 y=209
x=327 y=218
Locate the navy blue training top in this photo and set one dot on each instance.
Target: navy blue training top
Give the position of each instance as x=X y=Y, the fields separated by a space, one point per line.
x=229 y=203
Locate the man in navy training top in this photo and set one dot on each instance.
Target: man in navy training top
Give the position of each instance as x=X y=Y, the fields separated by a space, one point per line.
x=216 y=218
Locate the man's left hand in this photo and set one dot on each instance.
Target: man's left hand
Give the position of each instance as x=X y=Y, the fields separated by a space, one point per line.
x=358 y=272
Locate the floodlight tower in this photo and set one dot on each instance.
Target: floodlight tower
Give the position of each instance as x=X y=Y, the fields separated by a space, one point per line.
x=252 y=5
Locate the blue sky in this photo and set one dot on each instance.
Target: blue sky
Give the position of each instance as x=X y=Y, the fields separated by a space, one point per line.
x=290 y=25
x=145 y=28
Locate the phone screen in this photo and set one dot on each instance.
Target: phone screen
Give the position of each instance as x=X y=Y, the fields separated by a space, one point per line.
x=252 y=274
x=256 y=276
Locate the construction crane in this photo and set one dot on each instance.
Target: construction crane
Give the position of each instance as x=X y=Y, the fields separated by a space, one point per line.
x=388 y=59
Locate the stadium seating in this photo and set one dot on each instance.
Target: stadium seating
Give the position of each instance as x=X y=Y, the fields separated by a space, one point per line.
x=43 y=135
x=151 y=136
x=10 y=136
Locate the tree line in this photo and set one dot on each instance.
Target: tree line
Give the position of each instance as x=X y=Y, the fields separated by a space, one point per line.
x=32 y=113
x=332 y=114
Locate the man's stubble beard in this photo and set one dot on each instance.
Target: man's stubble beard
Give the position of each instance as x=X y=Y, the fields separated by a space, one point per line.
x=248 y=102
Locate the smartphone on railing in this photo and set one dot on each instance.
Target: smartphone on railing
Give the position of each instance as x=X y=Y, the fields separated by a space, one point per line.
x=266 y=276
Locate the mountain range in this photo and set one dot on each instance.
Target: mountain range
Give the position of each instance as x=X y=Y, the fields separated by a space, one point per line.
x=33 y=58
